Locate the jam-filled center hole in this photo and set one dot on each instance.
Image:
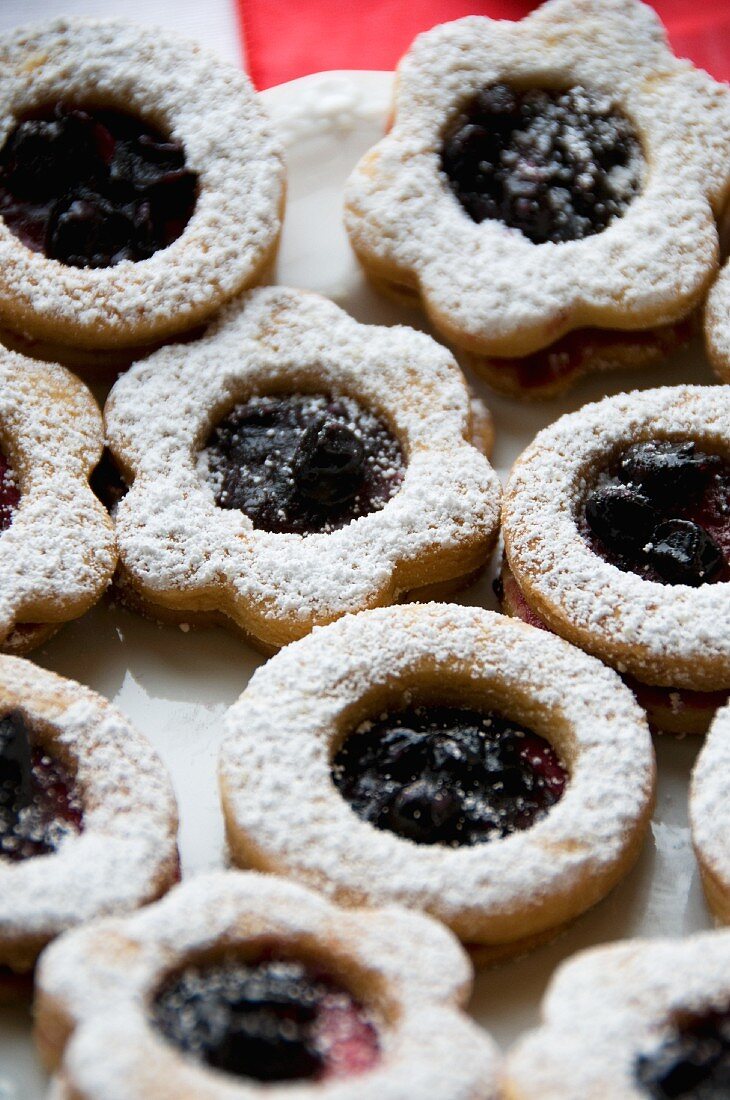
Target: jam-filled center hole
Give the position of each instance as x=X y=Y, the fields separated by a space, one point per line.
x=448 y=775
x=274 y=1019
x=693 y=1062
x=557 y=165
x=662 y=510
x=302 y=463
x=40 y=804
x=91 y=187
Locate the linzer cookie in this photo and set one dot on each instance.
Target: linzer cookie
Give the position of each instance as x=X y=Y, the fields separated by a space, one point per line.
x=445 y=758
x=644 y=1019
x=87 y=815
x=548 y=225
x=709 y=818
x=140 y=189
x=293 y=465
x=616 y=527
x=57 y=548
x=244 y=985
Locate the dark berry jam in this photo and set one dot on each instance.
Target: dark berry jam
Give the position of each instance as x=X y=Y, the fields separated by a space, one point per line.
x=39 y=806
x=442 y=775
x=107 y=482
x=693 y=1063
x=9 y=493
x=92 y=187
x=557 y=165
x=662 y=510
x=272 y=1020
x=303 y=463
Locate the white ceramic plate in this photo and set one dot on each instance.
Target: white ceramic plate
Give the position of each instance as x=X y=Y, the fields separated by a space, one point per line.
x=175 y=686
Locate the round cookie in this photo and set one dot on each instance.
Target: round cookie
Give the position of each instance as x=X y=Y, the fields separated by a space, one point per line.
x=88 y=820
x=171 y=188
x=445 y=758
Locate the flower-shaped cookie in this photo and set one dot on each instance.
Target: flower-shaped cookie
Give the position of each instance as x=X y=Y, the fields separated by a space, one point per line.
x=649 y=1018
x=141 y=188
x=294 y=465
x=710 y=816
x=560 y=173
x=237 y=986
x=57 y=550
x=88 y=820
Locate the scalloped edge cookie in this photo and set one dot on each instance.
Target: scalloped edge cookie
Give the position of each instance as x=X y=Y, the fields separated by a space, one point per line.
x=486 y=288
x=93 y=984
x=182 y=557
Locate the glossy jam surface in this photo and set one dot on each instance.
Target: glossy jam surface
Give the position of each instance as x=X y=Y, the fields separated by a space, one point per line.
x=303 y=463
x=271 y=1020
x=693 y=1063
x=443 y=775
x=91 y=187
x=557 y=165
x=662 y=510
x=39 y=805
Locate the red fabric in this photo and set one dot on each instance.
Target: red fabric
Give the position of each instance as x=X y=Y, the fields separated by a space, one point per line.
x=289 y=38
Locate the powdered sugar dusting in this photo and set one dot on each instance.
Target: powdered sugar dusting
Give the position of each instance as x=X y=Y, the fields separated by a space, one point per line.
x=283 y=809
x=717 y=324
x=180 y=550
x=708 y=806
x=607 y=1006
x=58 y=554
x=406 y=966
x=670 y=635
x=488 y=287
x=126 y=854
x=212 y=110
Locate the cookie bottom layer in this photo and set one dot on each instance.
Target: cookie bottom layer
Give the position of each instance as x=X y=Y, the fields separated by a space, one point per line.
x=553 y=369
x=670 y=710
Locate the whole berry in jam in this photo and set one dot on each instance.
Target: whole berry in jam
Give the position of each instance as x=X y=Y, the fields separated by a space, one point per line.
x=666 y=470
x=683 y=553
x=445 y=775
x=662 y=510
x=270 y=1020
x=557 y=165
x=621 y=516
x=693 y=1063
x=302 y=463
x=93 y=187
x=39 y=806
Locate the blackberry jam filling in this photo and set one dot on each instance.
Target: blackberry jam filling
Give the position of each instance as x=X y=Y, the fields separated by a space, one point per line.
x=557 y=165
x=92 y=187
x=9 y=493
x=662 y=510
x=303 y=463
x=693 y=1063
x=272 y=1020
x=442 y=775
x=39 y=805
